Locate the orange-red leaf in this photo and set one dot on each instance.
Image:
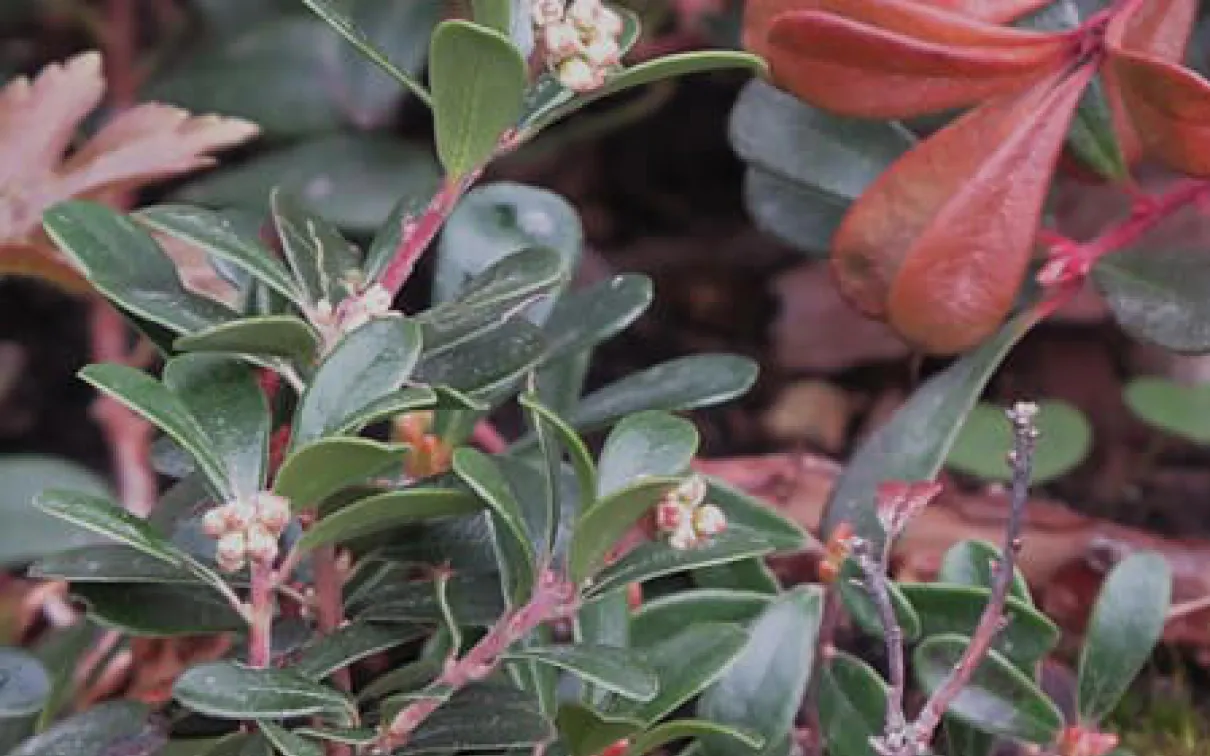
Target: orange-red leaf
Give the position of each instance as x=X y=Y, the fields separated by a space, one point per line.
x=961 y=276
x=1169 y=107
x=897 y=59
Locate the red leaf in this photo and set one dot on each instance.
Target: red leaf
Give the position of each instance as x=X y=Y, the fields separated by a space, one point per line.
x=1169 y=108
x=897 y=59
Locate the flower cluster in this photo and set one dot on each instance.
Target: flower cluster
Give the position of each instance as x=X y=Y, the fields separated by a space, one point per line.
x=685 y=519
x=247 y=529
x=354 y=311
x=581 y=41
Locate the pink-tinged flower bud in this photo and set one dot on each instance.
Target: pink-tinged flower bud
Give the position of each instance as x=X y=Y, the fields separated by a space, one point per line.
x=669 y=515
x=240 y=514
x=562 y=40
x=262 y=545
x=603 y=51
x=609 y=23
x=690 y=493
x=578 y=75
x=231 y=551
x=709 y=520
x=273 y=511
x=546 y=11
x=584 y=13
x=684 y=537
x=214 y=522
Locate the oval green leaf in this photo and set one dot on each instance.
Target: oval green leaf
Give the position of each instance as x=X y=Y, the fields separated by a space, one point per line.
x=655 y=559
x=614 y=669
x=985 y=440
x=230 y=690
x=266 y=336
x=379 y=513
x=604 y=523
x=645 y=444
x=322 y=468
x=852 y=706
x=1158 y=295
x=1172 y=407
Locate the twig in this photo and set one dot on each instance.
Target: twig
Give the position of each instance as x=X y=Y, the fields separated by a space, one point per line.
x=260 y=630
x=553 y=598
x=877 y=573
x=1025 y=435
x=418 y=233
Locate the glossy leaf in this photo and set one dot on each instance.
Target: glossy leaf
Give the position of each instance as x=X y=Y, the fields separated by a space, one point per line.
x=487 y=364
x=1171 y=407
x=158 y=609
x=218 y=236
x=474 y=599
x=321 y=260
x=230 y=690
x=25 y=687
x=999 y=699
x=349 y=644
x=654 y=559
x=1169 y=106
x=667 y=615
x=971 y=563
x=286 y=742
x=585 y=731
x=707 y=731
x=478 y=79
x=369 y=363
x=479 y=722
x=26 y=532
x=1156 y=294
x=109 y=520
x=581 y=459
x=582 y=319
x=267 y=336
x=320 y=469
x=985 y=440
x=762 y=690
x=746 y=512
x=380 y=513
x=1126 y=623
x=852 y=706
x=127 y=266
x=614 y=669
x=156 y=402
x=110 y=564
x=601 y=526
x=915 y=442
x=650 y=443
x=941 y=278
x=98 y=732
x=685 y=383
x=861 y=607
x=384 y=408
x=1028 y=637
x=226 y=399
x=752 y=575
x=514 y=547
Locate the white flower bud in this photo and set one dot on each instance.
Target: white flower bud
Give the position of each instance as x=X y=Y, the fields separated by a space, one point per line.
x=578 y=75
x=562 y=40
x=683 y=537
x=546 y=11
x=273 y=511
x=609 y=23
x=262 y=545
x=377 y=300
x=584 y=13
x=691 y=492
x=214 y=522
x=231 y=551
x=603 y=51
x=239 y=514
x=709 y=520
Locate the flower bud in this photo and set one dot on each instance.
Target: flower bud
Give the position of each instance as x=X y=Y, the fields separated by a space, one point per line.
x=578 y=75
x=609 y=23
x=684 y=537
x=562 y=40
x=669 y=515
x=709 y=520
x=584 y=13
x=273 y=511
x=603 y=51
x=240 y=514
x=262 y=545
x=231 y=551
x=692 y=492
x=546 y=11
x=214 y=522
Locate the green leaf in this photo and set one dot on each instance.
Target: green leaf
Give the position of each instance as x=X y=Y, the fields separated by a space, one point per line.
x=230 y=690
x=222 y=239
x=109 y=564
x=487 y=363
x=1172 y=407
x=322 y=468
x=582 y=319
x=1157 y=294
x=396 y=403
x=644 y=444
x=807 y=165
x=603 y=621
x=495 y=295
x=707 y=731
x=349 y=644
x=375 y=514
x=100 y=731
x=108 y=519
x=24 y=689
x=517 y=559
x=350 y=179
x=664 y=616
x=614 y=669
x=999 y=699
x=474 y=599
x=128 y=267
x=478 y=80
x=227 y=401
x=861 y=606
x=496 y=220
x=581 y=459
x=368 y=364
x=755 y=516
x=762 y=690
x=751 y=575
x=158 y=609
x=321 y=260
x=479 y=721
x=286 y=742
x=685 y=383
x=656 y=558
x=586 y=731
x=852 y=706
x=1126 y=623
x=266 y=336
x=604 y=523
x=985 y=440
x=60 y=651
x=970 y=563
x=685 y=664
x=365 y=26
x=1028 y=637
x=916 y=441
x=26 y=532
x=156 y=402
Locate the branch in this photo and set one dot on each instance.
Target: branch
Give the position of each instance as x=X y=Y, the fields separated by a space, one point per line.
x=876 y=579
x=1025 y=436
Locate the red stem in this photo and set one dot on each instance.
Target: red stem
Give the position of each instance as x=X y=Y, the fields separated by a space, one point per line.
x=260 y=629
x=489 y=438
x=418 y=233
x=328 y=611
x=1150 y=214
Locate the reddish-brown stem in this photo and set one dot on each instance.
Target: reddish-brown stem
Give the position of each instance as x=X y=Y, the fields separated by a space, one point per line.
x=877 y=579
x=260 y=629
x=418 y=233
x=328 y=611
x=489 y=438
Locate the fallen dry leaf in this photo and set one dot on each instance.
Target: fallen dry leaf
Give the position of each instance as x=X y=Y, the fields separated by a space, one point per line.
x=39 y=119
